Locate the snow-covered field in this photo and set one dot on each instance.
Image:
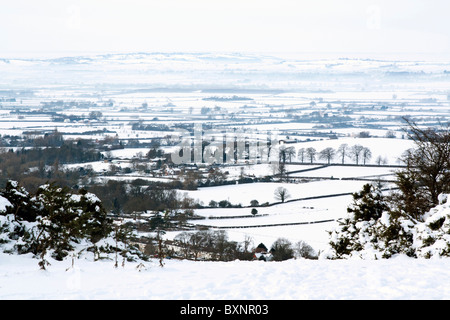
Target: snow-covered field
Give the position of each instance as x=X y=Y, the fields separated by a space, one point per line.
x=264 y=191
x=397 y=278
x=295 y=221
x=348 y=172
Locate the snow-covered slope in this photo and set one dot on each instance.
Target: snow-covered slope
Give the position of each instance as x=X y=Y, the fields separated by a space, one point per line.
x=400 y=277
x=397 y=278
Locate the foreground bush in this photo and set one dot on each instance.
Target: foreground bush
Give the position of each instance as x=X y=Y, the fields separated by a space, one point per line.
x=388 y=234
x=55 y=222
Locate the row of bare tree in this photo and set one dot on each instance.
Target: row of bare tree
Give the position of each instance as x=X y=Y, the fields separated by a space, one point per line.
x=357 y=153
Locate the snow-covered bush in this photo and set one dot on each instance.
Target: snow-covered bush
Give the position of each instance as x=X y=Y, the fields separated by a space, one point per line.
x=357 y=234
x=395 y=235
x=390 y=234
x=55 y=222
x=432 y=237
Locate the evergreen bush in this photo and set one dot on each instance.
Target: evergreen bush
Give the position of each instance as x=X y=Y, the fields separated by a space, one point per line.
x=55 y=222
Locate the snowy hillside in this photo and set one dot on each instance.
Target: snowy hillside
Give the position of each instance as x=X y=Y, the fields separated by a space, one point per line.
x=397 y=278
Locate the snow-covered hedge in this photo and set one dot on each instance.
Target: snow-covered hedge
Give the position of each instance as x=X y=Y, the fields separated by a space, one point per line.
x=391 y=234
x=432 y=237
x=56 y=223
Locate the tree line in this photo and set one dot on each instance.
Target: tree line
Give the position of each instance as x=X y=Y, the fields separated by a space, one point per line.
x=215 y=245
x=358 y=153
x=34 y=167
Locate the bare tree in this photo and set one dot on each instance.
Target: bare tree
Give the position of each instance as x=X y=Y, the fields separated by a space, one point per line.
x=286 y=153
x=327 y=154
x=311 y=152
x=197 y=243
x=366 y=154
x=301 y=154
x=342 y=151
x=281 y=194
x=427 y=172
x=247 y=243
x=279 y=169
x=283 y=154
x=282 y=249
x=304 y=250
x=183 y=240
x=380 y=160
x=216 y=176
x=390 y=134
x=355 y=152
x=290 y=153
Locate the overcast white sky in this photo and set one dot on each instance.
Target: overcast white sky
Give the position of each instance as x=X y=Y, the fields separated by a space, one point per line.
x=355 y=26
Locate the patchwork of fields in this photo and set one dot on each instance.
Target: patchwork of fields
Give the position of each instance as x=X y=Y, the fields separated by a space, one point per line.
x=131 y=103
